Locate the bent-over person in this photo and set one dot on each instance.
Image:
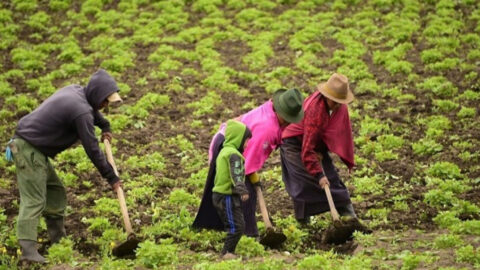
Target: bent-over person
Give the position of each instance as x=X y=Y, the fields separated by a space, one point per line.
x=67 y=116
x=306 y=163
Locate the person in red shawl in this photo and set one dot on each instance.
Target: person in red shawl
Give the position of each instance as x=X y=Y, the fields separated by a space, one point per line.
x=306 y=164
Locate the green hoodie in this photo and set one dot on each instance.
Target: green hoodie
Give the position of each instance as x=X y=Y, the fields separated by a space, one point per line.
x=230 y=175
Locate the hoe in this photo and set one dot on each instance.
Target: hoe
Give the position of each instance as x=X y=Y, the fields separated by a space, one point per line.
x=271 y=238
x=341 y=231
x=128 y=247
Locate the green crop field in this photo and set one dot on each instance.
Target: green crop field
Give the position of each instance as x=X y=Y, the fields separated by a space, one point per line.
x=186 y=66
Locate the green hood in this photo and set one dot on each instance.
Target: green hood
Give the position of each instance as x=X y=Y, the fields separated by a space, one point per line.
x=234 y=134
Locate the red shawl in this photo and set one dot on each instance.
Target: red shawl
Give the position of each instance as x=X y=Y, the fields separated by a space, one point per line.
x=318 y=126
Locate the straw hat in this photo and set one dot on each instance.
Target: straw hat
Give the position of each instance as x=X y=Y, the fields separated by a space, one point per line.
x=337 y=89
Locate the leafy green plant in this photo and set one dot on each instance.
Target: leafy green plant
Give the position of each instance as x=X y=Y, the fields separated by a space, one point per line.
x=426 y=147
x=466 y=112
x=249 y=247
x=39 y=21
x=58 y=5
x=444 y=169
x=25 y=5
x=154 y=255
x=146 y=103
x=97 y=224
x=61 y=252
x=410 y=260
x=182 y=197
x=153 y=161
x=468 y=254
x=5 y=89
x=445 y=105
x=445 y=219
x=295 y=235
x=106 y=206
x=431 y=56
x=439 y=86
x=380 y=215
x=366 y=240
x=439 y=198
x=23 y=103
x=318 y=261
x=368 y=185
x=28 y=59
x=447 y=241
x=206 y=104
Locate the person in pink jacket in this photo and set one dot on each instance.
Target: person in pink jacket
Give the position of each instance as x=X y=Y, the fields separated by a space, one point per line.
x=266 y=123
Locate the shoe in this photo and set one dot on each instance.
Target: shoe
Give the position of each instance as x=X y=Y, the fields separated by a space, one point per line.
x=229 y=256
x=55 y=229
x=30 y=252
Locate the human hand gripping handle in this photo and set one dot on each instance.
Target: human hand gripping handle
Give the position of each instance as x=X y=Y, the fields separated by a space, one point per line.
x=323 y=181
x=325 y=184
x=107 y=136
x=118 y=188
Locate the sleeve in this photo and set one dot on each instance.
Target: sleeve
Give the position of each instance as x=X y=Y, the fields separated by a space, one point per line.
x=237 y=173
x=86 y=133
x=101 y=122
x=311 y=135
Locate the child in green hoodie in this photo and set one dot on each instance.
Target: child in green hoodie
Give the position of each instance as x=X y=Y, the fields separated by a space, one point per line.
x=229 y=184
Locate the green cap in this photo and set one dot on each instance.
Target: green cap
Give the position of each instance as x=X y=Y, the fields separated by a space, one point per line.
x=288 y=104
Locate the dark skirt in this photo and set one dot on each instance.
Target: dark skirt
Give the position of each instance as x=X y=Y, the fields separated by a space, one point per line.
x=307 y=195
x=207 y=217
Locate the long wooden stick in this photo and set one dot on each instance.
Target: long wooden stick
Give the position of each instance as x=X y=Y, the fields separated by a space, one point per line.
x=333 y=210
x=263 y=208
x=120 y=194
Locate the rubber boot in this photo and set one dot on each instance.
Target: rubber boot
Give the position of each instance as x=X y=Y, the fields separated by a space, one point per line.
x=30 y=252
x=56 y=229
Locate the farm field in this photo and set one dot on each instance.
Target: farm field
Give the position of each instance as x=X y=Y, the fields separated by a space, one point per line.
x=186 y=66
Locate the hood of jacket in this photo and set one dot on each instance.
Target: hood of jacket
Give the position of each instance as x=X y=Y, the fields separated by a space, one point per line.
x=235 y=135
x=100 y=86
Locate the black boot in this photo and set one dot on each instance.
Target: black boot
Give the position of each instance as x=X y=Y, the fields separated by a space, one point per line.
x=56 y=229
x=30 y=252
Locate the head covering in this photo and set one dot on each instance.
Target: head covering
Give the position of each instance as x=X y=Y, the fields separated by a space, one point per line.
x=337 y=89
x=288 y=104
x=115 y=97
x=99 y=88
x=235 y=134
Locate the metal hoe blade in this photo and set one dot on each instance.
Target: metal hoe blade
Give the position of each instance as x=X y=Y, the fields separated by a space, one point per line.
x=126 y=248
x=273 y=239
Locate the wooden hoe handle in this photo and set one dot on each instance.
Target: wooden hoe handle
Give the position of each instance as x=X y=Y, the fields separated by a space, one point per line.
x=120 y=195
x=333 y=210
x=263 y=208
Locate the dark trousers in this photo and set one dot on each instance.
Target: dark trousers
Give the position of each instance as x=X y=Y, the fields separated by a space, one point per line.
x=230 y=211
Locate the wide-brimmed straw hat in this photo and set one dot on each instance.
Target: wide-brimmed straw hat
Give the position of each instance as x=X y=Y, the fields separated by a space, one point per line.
x=337 y=89
x=115 y=97
x=288 y=104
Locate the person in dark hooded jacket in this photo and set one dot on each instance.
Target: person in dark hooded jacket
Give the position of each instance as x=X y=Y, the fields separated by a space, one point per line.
x=67 y=116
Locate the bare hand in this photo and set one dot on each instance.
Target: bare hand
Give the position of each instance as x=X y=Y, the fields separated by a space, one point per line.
x=244 y=197
x=117 y=185
x=324 y=181
x=107 y=136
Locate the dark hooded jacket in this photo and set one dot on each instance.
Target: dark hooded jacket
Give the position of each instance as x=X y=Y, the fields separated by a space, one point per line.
x=70 y=114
